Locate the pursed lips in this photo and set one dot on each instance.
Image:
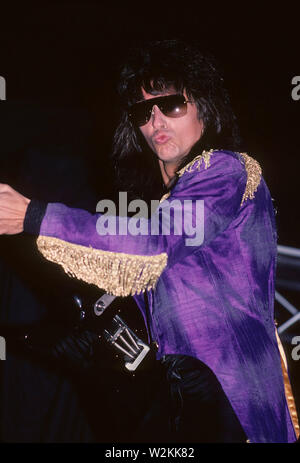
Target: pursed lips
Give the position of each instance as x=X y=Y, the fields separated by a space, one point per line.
x=161 y=138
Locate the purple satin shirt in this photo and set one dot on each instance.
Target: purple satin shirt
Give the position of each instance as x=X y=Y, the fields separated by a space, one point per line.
x=214 y=300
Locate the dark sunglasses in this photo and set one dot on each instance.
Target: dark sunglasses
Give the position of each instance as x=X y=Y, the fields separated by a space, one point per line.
x=170 y=105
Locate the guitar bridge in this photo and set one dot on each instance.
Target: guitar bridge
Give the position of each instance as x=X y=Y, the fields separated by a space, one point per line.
x=125 y=340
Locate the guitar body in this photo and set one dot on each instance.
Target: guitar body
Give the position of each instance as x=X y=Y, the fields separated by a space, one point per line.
x=116 y=399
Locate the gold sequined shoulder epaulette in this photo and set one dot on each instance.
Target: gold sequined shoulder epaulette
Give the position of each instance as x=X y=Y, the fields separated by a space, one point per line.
x=196 y=162
x=252 y=167
x=254 y=173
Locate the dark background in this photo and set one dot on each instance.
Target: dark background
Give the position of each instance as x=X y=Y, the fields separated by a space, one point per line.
x=60 y=62
x=65 y=56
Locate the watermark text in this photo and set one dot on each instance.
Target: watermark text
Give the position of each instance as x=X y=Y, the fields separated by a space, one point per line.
x=296 y=89
x=296 y=350
x=2 y=88
x=2 y=348
x=174 y=217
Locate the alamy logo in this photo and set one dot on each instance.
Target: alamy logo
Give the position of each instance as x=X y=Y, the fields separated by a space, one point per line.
x=166 y=218
x=2 y=348
x=296 y=350
x=2 y=88
x=296 y=89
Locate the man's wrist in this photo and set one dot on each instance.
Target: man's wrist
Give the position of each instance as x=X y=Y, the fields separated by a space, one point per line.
x=34 y=216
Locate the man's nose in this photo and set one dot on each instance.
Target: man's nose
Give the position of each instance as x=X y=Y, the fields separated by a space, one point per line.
x=158 y=119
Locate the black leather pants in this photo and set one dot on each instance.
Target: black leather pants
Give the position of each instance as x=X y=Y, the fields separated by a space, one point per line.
x=191 y=406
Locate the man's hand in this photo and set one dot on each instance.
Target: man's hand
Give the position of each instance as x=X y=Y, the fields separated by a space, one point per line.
x=13 y=208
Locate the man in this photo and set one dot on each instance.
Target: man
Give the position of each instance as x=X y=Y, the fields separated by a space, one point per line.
x=206 y=292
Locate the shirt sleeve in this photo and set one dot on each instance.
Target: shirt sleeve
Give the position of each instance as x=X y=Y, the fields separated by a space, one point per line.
x=125 y=255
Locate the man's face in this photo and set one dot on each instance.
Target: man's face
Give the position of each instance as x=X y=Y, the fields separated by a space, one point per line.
x=171 y=139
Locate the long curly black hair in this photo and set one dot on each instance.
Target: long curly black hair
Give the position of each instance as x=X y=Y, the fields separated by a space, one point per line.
x=157 y=67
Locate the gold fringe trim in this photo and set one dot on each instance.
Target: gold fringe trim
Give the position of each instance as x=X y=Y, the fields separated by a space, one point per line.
x=118 y=274
x=288 y=388
x=254 y=172
x=196 y=162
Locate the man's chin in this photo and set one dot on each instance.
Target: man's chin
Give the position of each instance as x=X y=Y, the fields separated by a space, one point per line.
x=170 y=160
x=167 y=155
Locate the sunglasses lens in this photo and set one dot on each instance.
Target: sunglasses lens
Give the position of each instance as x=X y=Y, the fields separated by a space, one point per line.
x=139 y=114
x=174 y=107
x=170 y=106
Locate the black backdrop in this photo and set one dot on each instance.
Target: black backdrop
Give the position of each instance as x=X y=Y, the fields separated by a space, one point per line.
x=60 y=64
x=65 y=54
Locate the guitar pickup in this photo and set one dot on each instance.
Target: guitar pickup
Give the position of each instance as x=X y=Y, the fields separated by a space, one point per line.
x=122 y=338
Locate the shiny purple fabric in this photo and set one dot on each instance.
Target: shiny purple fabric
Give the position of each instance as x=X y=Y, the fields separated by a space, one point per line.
x=213 y=301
